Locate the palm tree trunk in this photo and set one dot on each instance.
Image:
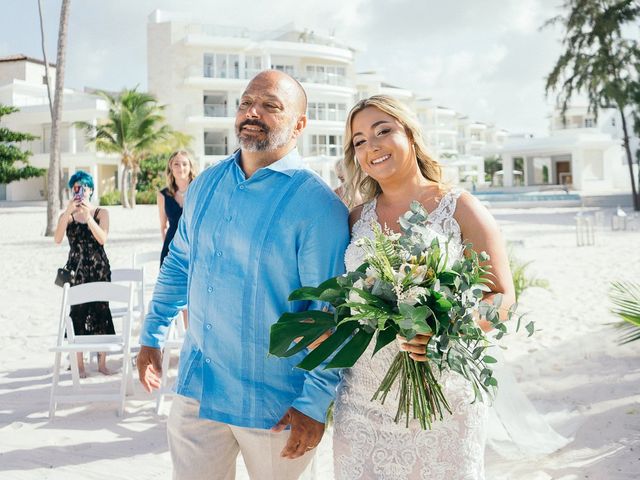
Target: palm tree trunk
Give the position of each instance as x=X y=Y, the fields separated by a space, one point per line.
x=54 y=174
x=124 y=187
x=132 y=189
x=627 y=148
x=44 y=57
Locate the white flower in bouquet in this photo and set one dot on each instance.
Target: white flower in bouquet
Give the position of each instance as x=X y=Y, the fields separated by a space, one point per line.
x=354 y=297
x=412 y=296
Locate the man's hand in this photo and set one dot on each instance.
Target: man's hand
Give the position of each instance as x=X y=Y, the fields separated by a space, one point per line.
x=149 y=364
x=306 y=433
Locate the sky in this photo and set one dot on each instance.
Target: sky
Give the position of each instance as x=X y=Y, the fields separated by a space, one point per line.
x=486 y=59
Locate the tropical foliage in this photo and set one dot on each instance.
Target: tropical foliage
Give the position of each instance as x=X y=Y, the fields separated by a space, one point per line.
x=135 y=129
x=522 y=280
x=11 y=153
x=626 y=300
x=599 y=61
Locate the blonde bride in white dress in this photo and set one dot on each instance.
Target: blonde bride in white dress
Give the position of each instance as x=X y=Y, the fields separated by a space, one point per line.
x=386 y=162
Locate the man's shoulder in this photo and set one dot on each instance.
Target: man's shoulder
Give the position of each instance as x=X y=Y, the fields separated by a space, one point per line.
x=313 y=183
x=315 y=192
x=211 y=172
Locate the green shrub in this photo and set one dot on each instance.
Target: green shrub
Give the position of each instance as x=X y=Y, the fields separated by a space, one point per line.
x=110 y=198
x=521 y=278
x=146 y=198
x=151 y=174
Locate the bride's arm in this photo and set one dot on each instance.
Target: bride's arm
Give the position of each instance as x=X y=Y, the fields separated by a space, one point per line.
x=481 y=230
x=354 y=216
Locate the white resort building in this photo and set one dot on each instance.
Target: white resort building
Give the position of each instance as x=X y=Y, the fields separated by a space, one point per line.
x=580 y=153
x=199 y=71
x=22 y=85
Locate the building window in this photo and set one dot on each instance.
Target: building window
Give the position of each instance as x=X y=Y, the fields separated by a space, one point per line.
x=215 y=143
x=329 y=74
x=221 y=65
x=215 y=104
x=327 y=111
x=588 y=123
x=329 y=145
x=252 y=65
x=288 y=69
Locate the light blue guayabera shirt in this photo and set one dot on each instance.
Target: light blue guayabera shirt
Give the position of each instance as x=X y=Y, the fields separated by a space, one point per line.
x=242 y=246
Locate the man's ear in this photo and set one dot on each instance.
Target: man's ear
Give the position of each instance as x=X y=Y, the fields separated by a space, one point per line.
x=301 y=124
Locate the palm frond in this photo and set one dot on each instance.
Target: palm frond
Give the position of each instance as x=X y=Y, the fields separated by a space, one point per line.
x=625 y=297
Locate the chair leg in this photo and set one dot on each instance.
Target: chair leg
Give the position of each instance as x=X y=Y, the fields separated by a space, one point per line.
x=54 y=385
x=75 y=371
x=126 y=373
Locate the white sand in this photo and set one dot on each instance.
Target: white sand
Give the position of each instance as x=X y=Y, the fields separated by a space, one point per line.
x=572 y=369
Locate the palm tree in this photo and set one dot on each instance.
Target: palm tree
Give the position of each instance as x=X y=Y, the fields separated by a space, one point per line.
x=54 y=176
x=626 y=298
x=11 y=153
x=134 y=127
x=599 y=61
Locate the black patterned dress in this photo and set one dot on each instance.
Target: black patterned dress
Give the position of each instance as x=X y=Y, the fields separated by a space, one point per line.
x=88 y=258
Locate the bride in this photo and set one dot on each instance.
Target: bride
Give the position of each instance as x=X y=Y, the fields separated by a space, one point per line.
x=387 y=164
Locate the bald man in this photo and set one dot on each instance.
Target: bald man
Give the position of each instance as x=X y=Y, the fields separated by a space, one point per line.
x=254 y=228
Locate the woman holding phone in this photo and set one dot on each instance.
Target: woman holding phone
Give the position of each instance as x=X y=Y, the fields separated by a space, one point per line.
x=86 y=228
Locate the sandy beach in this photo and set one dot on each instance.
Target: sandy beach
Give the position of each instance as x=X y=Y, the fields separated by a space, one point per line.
x=572 y=369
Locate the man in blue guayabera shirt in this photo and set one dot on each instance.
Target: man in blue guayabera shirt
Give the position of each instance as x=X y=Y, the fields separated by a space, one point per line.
x=254 y=228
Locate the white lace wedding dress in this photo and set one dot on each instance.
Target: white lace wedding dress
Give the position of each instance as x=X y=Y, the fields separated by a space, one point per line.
x=367 y=443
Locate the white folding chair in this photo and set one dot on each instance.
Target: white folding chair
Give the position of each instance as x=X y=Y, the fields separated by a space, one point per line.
x=73 y=344
x=140 y=258
x=135 y=278
x=151 y=263
x=173 y=343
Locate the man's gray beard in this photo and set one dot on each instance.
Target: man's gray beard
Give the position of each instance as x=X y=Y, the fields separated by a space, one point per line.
x=274 y=141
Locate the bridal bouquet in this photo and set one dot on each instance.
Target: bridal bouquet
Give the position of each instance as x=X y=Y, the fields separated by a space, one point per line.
x=407 y=285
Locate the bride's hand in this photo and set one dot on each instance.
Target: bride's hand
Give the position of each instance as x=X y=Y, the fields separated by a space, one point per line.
x=417 y=346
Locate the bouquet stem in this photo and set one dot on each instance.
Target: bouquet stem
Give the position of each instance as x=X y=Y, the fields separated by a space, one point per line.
x=420 y=394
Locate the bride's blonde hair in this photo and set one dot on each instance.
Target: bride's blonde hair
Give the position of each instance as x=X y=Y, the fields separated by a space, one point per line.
x=355 y=179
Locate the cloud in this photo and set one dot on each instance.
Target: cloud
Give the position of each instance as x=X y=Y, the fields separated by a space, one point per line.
x=485 y=59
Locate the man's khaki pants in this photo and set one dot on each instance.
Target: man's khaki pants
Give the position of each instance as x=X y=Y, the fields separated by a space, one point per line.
x=206 y=450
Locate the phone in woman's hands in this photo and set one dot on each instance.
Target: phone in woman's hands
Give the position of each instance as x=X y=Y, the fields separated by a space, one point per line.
x=78 y=193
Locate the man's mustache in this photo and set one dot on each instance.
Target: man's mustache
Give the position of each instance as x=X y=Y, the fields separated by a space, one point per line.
x=256 y=123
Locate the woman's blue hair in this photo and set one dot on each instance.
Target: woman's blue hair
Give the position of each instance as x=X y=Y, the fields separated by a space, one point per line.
x=83 y=178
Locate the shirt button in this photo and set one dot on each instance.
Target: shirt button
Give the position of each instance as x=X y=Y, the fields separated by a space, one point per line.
x=219 y=253
x=207 y=360
x=228 y=218
x=208 y=326
x=210 y=289
x=241 y=187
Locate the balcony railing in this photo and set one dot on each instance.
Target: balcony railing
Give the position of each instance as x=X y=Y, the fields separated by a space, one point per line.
x=215 y=149
x=211 y=110
x=210 y=72
x=327 y=78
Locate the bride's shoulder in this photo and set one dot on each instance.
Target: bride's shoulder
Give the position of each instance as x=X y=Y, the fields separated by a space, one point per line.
x=471 y=214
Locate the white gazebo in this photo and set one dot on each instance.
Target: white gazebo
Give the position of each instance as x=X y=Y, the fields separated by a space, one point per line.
x=582 y=159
